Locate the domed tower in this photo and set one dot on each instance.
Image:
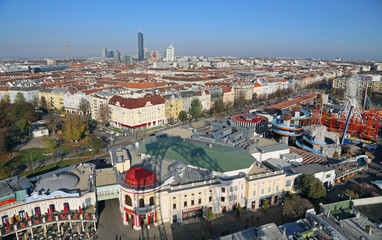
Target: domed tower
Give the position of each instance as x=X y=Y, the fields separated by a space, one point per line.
x=138 y=201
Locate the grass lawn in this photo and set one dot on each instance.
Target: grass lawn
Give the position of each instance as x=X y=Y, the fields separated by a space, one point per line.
x=25 y=154
x=64 y=163
x=118 y=130
x=153 y=129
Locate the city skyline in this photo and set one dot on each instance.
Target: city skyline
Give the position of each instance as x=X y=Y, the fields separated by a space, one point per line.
x=326 y=29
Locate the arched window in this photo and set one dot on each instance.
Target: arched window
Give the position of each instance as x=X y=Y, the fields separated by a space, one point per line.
x=128 y=200
x=152 y=201
x=141 y=202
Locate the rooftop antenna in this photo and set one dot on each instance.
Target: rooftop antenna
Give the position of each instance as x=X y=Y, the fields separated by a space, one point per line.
x=66 y=50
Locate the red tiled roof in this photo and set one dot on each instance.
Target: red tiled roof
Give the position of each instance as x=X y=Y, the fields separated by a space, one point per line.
x=133 y=103
x=257 y=85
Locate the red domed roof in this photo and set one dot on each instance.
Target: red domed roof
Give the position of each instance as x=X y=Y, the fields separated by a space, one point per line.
x=139 y=177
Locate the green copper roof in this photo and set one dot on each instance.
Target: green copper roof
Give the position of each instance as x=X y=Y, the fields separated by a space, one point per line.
x=215 y=157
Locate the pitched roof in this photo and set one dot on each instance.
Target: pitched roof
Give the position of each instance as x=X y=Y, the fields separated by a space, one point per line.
x=132 y=103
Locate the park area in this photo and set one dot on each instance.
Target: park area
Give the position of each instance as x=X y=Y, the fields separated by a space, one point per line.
x=35 y=157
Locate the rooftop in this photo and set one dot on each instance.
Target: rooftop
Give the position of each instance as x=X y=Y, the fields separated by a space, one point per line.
x=207 y=156
x=310 y=169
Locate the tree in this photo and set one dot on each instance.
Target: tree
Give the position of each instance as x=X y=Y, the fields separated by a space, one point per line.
x=295 y=206
x=238 y=210
x=50 y=143
x=20 y=98
x=76 y=127
x=96 y=144
x=266 y=205
x=84 y=105
x=34 y=102
x=23 y=126
x=196 y=108
x=42 y=104
x=240 y=102
x=351 y=193
x=104 y=114
x=3 y=140
x=182 y=116
x=219 y=105
x=310 y=186
x=54 y=123
x=5 y=172
x=210 y=215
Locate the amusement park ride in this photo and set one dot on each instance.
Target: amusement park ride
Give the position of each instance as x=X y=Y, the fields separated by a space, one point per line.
x=362 y=124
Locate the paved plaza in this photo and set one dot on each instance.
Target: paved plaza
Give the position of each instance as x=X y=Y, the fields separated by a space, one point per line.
x=110 y=224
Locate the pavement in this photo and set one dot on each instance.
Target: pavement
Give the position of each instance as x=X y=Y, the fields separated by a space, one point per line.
x=110 y=224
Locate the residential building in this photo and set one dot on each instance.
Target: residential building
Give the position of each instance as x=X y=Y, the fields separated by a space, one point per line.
x=54 y=98
x=173 y=106
x=137 y=113
x=4 y=92
x=98 y=101
x=29 y=93
x=72 y=102
x=242 y=90
x=228 y=96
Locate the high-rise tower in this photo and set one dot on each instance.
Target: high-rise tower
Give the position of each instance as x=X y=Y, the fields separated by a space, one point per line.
x=170 y=53
x=104 y=53
x=140 y=47
x=66 y=50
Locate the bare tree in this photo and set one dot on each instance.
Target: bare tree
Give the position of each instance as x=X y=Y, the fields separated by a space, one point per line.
x=104 y=114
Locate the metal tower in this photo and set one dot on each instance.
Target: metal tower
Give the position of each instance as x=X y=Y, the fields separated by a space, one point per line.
x=66 y=50
x=352 y=94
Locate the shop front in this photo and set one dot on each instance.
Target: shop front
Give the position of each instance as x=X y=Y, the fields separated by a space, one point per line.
x=192 y=213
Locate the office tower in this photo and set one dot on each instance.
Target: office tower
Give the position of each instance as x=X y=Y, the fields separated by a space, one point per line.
x=140 y=47
x=104 y=53
x=117 y=55
x=170 y=53
x=146 y=53
x=110 y=54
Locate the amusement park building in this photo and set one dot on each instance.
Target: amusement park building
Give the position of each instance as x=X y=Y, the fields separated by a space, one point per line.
x=182 y=179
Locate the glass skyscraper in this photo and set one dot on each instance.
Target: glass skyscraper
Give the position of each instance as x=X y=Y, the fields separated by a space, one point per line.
x=140 y=47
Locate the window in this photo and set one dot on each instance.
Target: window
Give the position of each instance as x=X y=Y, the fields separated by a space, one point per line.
x=230 y=198
x=200 y=201
x=192 y=202
x=185 y=203
x=231 y=189
x=210 y=199
x=234 y=197
x=200 y=193
x=152 y=203
x=210 y=190
x=288 y=183
x=269 y=189
x=223 y=190
x=128 y=200
x=277 y=188
x=254 y=193
x=185 y=196
x=192 y=194
x=235 y=189
x=328 y=175
x=262 y=191
x=141 y=202
x=174 y=206
x=222 y=199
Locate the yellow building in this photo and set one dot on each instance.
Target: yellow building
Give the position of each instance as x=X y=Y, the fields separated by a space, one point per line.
x=3 y=92
x=377 y=86
x=54 y=98
x=173 y=106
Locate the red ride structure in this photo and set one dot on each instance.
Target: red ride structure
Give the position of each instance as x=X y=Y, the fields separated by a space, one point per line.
x=365 y=128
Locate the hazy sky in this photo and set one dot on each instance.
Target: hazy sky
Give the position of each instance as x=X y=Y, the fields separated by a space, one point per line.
x=351 y=29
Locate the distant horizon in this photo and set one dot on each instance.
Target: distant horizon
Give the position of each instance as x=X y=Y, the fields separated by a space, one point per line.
x=326 y=29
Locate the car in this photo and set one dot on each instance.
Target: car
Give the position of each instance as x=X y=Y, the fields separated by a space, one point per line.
x=101 y=129
x=117 y=134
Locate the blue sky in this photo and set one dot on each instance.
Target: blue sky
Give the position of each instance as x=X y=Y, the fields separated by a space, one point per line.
x=349 y=29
